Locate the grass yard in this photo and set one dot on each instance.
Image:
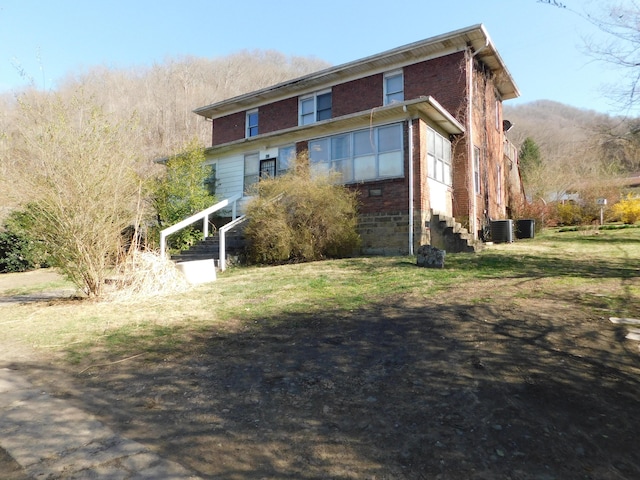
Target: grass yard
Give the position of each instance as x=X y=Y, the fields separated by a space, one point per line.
x=504 y=364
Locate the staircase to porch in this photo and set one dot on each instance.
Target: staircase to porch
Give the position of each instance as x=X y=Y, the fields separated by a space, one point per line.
x=209 y=248
x=451 y=236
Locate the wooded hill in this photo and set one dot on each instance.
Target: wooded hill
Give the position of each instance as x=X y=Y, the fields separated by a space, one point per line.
x=574 y=144
x=577 y=146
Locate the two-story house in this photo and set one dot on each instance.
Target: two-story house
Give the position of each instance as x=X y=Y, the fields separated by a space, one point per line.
x=416 y=130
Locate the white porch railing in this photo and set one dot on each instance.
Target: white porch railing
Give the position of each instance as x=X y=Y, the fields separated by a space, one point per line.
x=204 y=216
x=222 y=231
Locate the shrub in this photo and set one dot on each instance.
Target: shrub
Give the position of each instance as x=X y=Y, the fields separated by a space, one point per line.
x=18 y=251
x=187 y=188
x=627 y=210
x=538 y=211
x=300 y=217
x=571 y=213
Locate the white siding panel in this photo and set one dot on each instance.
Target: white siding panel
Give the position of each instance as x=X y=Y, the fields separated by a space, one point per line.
x=229 y=176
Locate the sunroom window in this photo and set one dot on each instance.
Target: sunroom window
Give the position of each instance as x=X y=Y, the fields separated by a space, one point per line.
x=438 y=157
x=363 y=155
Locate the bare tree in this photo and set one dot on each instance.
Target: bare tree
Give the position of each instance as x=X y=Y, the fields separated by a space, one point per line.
x=74 y=173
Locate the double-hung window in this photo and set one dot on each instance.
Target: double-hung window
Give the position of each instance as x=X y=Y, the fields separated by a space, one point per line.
x=314 y=108
x=438 y=157
x=251 y=170
x=252 y=123
x=372 y=154
x=393 y=87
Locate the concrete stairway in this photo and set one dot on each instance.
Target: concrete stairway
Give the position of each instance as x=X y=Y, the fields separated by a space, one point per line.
x=451 y=236
x=209 y=248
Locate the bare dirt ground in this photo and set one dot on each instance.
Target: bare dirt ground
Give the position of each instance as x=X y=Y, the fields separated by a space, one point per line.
x=518 y=386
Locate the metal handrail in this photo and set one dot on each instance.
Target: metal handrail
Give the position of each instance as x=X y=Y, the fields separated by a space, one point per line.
x=204 y=215
x=222 y=231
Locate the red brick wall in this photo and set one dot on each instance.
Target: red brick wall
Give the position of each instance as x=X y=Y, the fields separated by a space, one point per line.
x=357 y=95
x=278 y=115
x=442 y=78
x=229 y=128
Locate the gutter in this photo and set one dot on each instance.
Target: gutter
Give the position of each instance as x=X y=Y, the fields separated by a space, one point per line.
x=411 y=193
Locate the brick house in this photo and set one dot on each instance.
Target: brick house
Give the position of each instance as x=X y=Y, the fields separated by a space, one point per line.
x=417 y=130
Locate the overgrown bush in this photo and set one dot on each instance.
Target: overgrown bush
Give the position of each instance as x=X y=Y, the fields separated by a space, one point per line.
x=574 y=213
x=540 y=212
x=19 y=252
x=186 y=188
x=301 y=217
x=627 y=210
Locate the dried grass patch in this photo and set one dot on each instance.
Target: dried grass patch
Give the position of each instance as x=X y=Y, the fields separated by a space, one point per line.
x=144 y=275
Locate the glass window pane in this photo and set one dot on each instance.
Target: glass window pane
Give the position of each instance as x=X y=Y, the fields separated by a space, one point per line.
x=447 y=174
x=319 y=150
x=389 y=138
x=365 y=168
x=251 y=164
x=340 y=147
x=439 y=153
x=306 y=106
x=363 y=142
x=431 y=142
x=391 y=164
x=345 y=168
x=319 y=169
x=394 y=83
x=431 y=166
x=324 y=101
x=324 y=106
x=286 y=157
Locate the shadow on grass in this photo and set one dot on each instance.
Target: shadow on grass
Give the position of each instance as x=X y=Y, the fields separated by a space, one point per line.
x=396 y=390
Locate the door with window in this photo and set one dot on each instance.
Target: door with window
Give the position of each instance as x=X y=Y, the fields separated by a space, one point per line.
x=268 y=168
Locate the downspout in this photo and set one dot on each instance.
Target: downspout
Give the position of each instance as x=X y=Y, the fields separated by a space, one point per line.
x=472 y=217
x=411 y=194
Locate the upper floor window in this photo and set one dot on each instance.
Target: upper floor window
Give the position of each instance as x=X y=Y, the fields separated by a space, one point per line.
x=370 y=154
x=314 y=108
x=439 y=157
x=393 y=87
x=252 y=123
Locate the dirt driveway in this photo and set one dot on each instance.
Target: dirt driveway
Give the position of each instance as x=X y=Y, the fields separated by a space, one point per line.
x=418 y=387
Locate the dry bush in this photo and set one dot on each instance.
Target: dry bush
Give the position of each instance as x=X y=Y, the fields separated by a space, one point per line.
x=313 y=218
x=145 y=274
x=75 y=175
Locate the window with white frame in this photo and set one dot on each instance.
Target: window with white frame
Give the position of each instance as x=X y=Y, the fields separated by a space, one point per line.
x=252 y=123
x=438 y=157
x=210 y=181
x=251 y=170
x=476 y=170
x=315 y=107
x=372 y=154
x=393 y=87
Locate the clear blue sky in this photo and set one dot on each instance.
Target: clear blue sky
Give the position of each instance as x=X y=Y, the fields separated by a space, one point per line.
x=541 y=45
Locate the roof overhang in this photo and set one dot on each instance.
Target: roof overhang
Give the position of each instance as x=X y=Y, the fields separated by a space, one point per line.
x=425 y=108
x=474 y=38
